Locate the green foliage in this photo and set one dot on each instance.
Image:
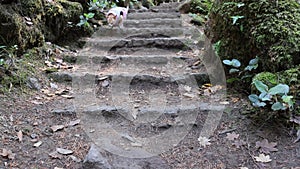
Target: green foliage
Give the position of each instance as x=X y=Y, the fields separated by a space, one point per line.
x=244 y=74
x=14 y=71
x=276 y=96
x=199 y=10
x=267 y=28
x=94 y=6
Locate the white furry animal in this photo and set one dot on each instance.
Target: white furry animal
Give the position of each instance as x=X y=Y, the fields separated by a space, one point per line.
x=116 y=16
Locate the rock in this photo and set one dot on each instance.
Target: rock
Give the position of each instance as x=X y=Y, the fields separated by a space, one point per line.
x=66 y=111
x=95 y=160
x=33 y=83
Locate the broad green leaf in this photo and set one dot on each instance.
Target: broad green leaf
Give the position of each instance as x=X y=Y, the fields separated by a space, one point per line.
x=260 y=86
x=264 y=96
x=231 y=80
x=236 y=63
x=233 y=70
x=279 y=89
x=288 y=100
x=227 y=62
x=259 y=104
x=278 y=106
x=253 y=61
x=253 y=98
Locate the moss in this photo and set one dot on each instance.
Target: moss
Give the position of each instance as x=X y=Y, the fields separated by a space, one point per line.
x=268 y=78
x=268 y=29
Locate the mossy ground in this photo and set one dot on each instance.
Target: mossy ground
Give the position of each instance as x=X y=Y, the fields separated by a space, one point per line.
x=267 y=29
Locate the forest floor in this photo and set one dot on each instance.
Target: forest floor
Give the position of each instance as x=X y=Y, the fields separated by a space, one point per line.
x=31 y=132
x=40 y=129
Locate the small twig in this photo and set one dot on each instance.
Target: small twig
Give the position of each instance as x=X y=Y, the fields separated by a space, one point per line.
x=226 y=131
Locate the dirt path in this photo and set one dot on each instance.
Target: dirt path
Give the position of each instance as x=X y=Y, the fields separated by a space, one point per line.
x=142 y=102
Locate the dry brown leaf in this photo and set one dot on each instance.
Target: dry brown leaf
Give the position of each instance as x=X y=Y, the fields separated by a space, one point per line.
x=55 y=155
x=263 y=158
x=188 y=95
x=73 y=123
x=36 y=102
x=37 y=144
x=57 y=127
x=64 y=151
x=8 y=154
x=67 y=96
x=239 y=143
x=232 y=136
x=20 y=135
x=266 y=147
x=61 y=92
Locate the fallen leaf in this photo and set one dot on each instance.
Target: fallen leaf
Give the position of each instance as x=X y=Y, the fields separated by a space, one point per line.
x=189 y=95
x=73 y=123
x=20 y=135
x=187 y=88
x=57 y=127
x=204 y=141
x=55 y=155
x=37 y=144
x=265 y=146
x=263 y=158
x=8 y=154
x=61 y=92
x=239 y=143
x=64 y=151
x=67 y=96
x=232 y=136
x=36 y=102
x=225 y=103
x=75 y=159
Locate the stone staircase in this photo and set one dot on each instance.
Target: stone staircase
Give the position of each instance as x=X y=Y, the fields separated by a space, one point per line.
x=136 y=88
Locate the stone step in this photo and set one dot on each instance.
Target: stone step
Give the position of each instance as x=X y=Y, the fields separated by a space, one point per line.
x=120 y=78
x=152 y=15
x=146 y=114
x=153 y=23
x=154 y=31
x=178 y=43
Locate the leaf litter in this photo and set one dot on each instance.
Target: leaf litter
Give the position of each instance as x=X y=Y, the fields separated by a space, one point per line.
x=265 y=146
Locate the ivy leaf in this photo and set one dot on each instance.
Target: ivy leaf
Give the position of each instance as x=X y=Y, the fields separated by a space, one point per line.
x=253 y=61
x=278 y=106
x=227 y=62
x=235 y=63
x=233 y=70
x=279 y=89
x=265 y=146
x=288 y=100
x=260 y=86
x=253 y=98
x=265 y=96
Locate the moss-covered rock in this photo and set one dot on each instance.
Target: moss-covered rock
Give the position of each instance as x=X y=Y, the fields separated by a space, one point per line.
x=30 y=23
x=248 y=28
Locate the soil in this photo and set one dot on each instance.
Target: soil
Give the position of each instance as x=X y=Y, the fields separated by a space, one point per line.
x=20 y=113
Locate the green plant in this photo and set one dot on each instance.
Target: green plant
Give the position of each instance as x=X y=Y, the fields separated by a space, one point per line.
x=84 y=19
x=276 y=96
x=199 y=10
x=242 y=74
x=94 y=5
